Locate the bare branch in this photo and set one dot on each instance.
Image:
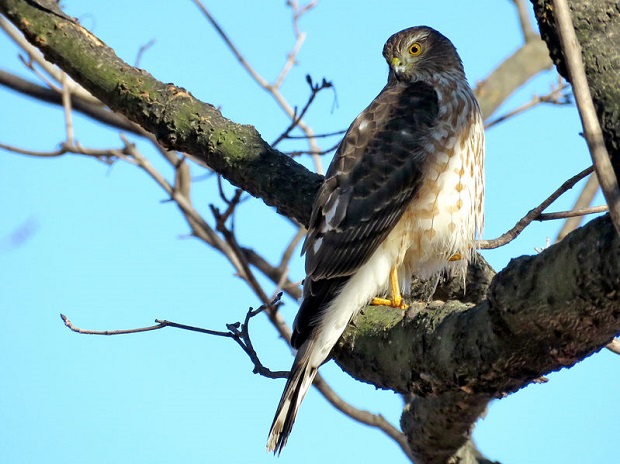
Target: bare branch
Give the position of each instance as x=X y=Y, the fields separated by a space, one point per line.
x=319 y=136
x=272 y=89
x=69 y=324
x=231 y=240
x=511 y=74
x=365 y=417
x=272 y=272
x=572 y=213
x=95 y=111
x=142 y=50
x=583 y=201
x=37 y=57
x=533 y=214
x=587 y=113
x=66 y=105
x=239 y=332
x=524 y=19
x=314 y=91
x=556 y=96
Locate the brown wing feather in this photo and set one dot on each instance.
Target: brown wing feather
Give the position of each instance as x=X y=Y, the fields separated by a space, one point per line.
x=373 y=176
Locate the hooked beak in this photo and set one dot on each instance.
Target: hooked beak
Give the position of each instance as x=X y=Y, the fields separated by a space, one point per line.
x=397 y=65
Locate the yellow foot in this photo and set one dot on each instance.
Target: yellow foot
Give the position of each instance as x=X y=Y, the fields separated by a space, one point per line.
x=397 y=300
x=400 y=304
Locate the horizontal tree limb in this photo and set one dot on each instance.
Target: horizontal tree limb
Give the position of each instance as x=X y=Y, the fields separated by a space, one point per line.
x=542 y=313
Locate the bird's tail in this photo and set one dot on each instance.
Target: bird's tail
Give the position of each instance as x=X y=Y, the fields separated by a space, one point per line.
x=297 y=385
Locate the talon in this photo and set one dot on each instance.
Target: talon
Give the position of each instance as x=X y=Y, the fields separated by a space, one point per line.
x=397 y=300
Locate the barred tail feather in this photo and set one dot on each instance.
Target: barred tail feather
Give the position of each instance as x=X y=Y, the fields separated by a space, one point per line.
x=299 y=382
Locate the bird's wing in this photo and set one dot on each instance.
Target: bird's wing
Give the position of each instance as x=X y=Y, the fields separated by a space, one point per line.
x=375 y=173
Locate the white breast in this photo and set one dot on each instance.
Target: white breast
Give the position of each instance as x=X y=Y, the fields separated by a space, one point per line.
x=446 y=215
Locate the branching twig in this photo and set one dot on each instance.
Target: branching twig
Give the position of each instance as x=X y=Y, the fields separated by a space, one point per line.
x=533 y=215
x=272 y=89
x=314 y=90
x=587 y=113
x=238 y=331
x=556 y=96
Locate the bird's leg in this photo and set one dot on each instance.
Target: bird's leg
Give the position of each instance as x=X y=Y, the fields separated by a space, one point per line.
x=397 y=299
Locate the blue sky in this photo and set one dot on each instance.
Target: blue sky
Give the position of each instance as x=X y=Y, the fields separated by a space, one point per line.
x=105 y=249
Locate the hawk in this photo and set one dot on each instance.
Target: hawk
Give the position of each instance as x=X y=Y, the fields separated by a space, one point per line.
x=403 y=196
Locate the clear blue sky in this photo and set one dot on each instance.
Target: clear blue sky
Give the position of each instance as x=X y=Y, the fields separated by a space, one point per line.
x=105 y=250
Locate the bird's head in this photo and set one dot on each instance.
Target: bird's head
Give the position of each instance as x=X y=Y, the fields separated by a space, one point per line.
x=419 y=53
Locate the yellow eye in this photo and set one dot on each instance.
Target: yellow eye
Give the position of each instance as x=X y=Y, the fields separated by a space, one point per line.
x=415 y=49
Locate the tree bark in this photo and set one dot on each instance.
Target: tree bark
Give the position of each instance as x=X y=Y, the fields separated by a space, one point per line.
x=597 y=25
x=450 y=357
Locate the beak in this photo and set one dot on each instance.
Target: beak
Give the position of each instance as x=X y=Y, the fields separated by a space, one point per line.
x=398 y=67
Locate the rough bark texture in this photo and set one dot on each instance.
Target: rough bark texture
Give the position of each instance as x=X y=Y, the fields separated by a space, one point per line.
x=452 y=356
x=541 y=313
x=597 y=24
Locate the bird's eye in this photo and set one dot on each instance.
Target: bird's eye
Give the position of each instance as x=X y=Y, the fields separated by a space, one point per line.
x=415 y=49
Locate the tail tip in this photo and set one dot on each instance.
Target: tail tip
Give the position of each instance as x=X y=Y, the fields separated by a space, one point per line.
x=275 y=443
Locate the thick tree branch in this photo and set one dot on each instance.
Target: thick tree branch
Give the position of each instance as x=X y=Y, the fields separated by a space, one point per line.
x=571 y=50
x=597 y=25
x=542 y=313
x=172 y=114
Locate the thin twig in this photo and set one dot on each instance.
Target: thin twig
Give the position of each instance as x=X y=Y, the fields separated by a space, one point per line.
x=141 y=51
x=533 y=214
x=587 y=113
x=237 y=331
x=319 y=136
x=294 y=154
x=365 y=417
x=572 y=213
x=588 y=192
x=272 y=272
x=555 y=96
x=288 y=252
x=314 y=91
x=70 y=325
x=231 y=240
x=283 y=267
x=66 y=104
x=36 y=56
x=272 y=89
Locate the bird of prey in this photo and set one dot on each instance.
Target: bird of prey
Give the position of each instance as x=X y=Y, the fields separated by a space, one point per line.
x=402 y=197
